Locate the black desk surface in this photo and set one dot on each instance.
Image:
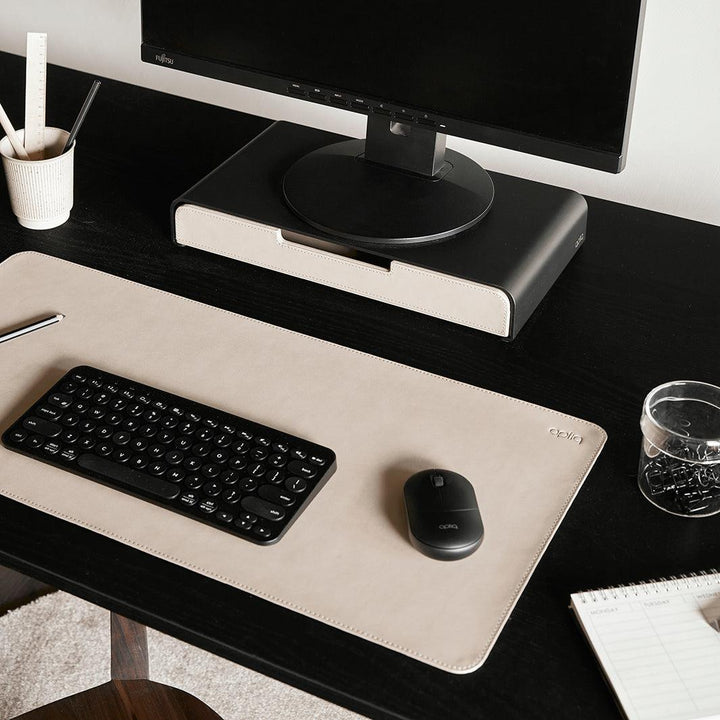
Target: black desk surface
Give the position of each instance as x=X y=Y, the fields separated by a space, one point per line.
x=639 y=305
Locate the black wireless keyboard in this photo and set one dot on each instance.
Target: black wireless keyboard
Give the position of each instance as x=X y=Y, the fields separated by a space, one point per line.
x=229 y=472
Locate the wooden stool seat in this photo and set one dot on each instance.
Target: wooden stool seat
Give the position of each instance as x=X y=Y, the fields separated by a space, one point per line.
x=126 y=700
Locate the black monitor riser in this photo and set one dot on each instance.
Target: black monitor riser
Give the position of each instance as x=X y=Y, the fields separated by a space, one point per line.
x=399 y=186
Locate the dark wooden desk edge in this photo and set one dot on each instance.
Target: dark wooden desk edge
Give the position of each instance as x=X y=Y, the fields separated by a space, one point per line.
x=592 y=349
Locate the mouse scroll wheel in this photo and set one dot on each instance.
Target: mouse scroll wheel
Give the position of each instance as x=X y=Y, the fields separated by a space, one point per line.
x=437 y=480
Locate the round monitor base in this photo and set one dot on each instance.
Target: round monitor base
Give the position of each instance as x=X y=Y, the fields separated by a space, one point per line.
x=336 y=190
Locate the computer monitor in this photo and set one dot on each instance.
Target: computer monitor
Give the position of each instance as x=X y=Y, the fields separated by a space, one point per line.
x=552 y=79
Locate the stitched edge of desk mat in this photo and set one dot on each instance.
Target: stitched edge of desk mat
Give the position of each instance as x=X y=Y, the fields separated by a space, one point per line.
x=412 y=556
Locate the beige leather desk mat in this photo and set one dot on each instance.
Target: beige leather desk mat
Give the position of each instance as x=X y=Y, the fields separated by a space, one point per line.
x=347 y=560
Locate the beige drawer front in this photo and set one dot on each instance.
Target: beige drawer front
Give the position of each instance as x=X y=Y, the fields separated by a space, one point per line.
x=432 y=293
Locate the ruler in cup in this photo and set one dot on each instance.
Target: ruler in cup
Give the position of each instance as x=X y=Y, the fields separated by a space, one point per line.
x=35 y=94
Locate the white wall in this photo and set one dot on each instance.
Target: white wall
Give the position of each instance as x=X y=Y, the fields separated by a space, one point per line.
x=674 y=155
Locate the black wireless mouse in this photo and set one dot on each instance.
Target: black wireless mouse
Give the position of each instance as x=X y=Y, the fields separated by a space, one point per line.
x=443 y=516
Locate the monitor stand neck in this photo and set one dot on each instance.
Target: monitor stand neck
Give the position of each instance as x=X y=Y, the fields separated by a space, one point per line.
x=406 y=147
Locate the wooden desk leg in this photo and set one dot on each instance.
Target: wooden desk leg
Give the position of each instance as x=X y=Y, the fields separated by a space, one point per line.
x=128 y=649
x=17 y=589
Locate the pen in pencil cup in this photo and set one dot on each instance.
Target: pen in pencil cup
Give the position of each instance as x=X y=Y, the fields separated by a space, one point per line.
x=31 y=328
x=81 y=115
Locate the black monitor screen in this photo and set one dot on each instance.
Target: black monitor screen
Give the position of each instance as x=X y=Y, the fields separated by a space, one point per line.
x=558 y=70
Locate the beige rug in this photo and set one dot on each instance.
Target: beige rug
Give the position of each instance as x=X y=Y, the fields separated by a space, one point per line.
x=59 y=645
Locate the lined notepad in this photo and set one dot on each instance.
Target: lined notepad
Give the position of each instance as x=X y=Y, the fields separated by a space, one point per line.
x=656 y=645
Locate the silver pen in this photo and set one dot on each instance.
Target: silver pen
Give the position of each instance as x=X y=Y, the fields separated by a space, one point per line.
x=31 y=328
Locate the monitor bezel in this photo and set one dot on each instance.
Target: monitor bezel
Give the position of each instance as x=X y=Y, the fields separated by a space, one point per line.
x=605 y=160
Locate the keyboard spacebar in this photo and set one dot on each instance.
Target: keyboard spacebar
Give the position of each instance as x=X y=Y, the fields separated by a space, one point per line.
x=128 y=477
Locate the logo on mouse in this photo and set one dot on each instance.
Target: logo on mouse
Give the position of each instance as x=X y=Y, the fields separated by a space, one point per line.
x=566 y=435
x=449 y=526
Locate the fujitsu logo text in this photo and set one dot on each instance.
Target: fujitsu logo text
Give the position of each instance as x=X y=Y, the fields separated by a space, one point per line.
x=164 y=59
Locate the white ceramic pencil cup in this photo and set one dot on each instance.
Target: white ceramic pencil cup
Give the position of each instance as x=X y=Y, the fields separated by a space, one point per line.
x=41 y=191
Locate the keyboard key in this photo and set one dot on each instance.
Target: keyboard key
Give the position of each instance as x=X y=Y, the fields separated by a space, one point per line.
x=204 y=434
x=183 y=443
x=277 y=460
x=223 y=440
x=189 y=499
x=42 y=427
x=121 y=455
x=174 y=457
x=165 y=436
x=139 y=444
x=52 y=447
x=208 y=506
x=274 y=476
x=248 y=484
x=151 y=415
x=103 y=449
x=296 y=484
x=70 y=436
x=224 y=516
x=219 y=456
x=87 y=426
x=86 y=443
x=127 y=476
x=17 y=436
x=156 y=451
x=69 y=454
x=231 y=495
x=302 y=469
x=229 y=477
x=237 y=463
x=138 y=462
x=262 y=508
x=48 y=413
x=241 y=447
x=194 y=482
x=263 y=531
x=157 y=467
x=211 y=471
x=277 y=495
x=60 y=400
x=192 y=464
x=175 y=474
x=258 y=453
x=202 y=449
x=212 y=489
x=147 y=431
